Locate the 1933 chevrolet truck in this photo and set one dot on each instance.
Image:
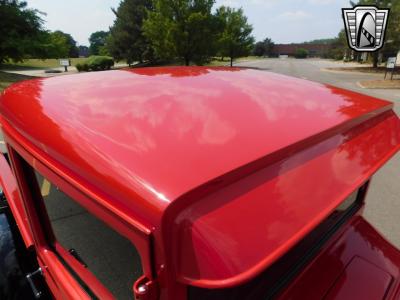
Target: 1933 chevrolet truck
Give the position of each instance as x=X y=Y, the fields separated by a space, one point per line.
x=192 y=183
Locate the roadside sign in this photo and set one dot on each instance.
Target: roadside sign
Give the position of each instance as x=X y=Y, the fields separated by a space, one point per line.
x=391 y=63
x=65 y=62
x=390 y=66
x=364 y=56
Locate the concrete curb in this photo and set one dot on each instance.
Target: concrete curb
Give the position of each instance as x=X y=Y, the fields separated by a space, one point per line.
x=360 y=85
x=350 y=72
x=375 y=88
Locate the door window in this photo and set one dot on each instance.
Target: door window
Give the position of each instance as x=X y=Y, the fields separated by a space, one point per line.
x=105 y=253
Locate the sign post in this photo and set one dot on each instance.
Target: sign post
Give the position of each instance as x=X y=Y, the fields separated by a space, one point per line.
x=390 y=66
x=65 y=62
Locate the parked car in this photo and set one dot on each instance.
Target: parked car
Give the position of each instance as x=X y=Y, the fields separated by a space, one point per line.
x=193 y=183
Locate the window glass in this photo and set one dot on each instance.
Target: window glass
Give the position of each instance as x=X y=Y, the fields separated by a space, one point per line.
x=109 y=256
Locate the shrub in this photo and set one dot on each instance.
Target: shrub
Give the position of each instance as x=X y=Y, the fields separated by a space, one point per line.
x=97 y=63
x=82 y=67
x=301 y=53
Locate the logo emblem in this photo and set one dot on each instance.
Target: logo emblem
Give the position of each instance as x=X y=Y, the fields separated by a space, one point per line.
x=365 y=27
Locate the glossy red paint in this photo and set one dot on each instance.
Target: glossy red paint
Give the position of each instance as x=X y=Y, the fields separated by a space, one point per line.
x=357 y=264
x=243 y=228
x=160 y=148
x=9 y=187
x=159 y=133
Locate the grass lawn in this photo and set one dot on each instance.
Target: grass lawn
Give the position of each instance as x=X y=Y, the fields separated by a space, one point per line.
x=7 y=78
x=38 y=64
x=226 y=62
x=54 y=63
x=381 y=84
x=246 y=58
x=218 y=62
x=363 y=69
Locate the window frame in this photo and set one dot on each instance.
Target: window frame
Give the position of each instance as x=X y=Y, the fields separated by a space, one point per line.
x=56 y=262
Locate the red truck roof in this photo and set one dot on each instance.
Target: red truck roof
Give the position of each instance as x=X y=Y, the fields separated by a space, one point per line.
x=156 y=140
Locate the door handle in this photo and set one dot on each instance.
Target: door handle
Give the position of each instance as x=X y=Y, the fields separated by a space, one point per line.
x=76 y=255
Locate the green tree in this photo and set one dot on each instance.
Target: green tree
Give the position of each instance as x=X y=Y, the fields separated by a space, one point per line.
x=269 y=46
x=103 y=51
x=97 y=39
x=59 y=45
x=235 y=39
x=73 y=50
x=182 y=28
x=126 y=39
x=259 y=49
x=321 y=41
x=265 y=47
x=301 y=53
x=55 y=44
x=339 y=46
x=83 y=51
x=20 y=29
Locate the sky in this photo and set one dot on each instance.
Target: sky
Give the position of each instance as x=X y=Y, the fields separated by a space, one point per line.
x=285 y=21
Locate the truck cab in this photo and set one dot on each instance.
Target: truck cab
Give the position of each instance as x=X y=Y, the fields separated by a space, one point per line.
x=195 y=183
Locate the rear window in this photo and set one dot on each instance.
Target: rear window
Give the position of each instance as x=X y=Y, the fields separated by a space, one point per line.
x=105 y=253
x=268 y=284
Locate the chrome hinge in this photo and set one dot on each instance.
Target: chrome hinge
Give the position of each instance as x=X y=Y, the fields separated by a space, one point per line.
x=145 y=289
x=31 y=279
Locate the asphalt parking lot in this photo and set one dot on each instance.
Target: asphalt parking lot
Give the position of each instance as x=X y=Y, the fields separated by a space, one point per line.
x=383 y=200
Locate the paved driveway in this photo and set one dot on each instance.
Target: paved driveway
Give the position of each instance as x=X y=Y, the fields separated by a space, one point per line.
x=383 y=200
x=315 y=70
